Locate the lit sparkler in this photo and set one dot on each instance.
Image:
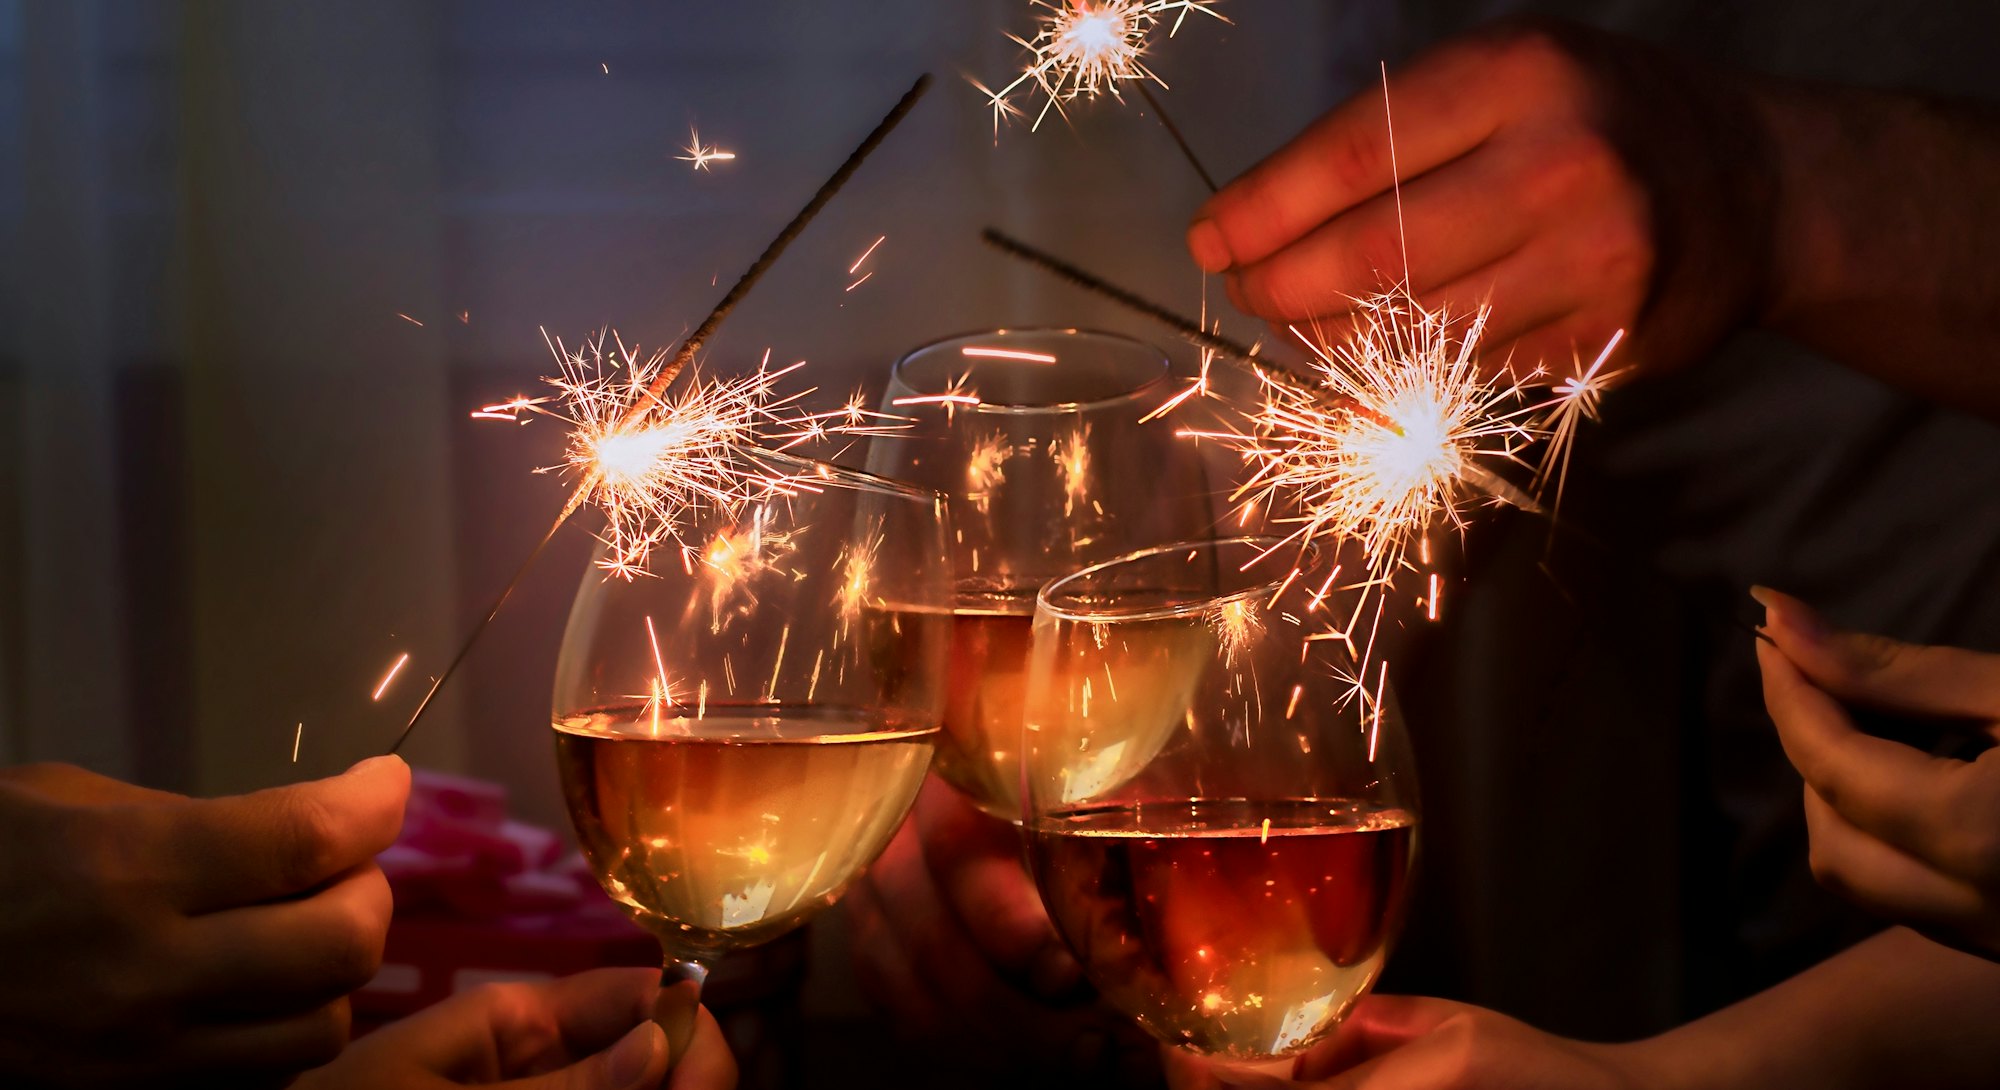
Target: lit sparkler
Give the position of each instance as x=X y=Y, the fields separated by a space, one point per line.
x=650 y=459
x=1084 y=48
x=655 y=391
x=1384 y=444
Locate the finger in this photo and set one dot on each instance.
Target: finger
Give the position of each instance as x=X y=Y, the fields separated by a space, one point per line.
x=1881 y=879
x=1883 y=788
x=1456 y=219
x=1443 y=108
x=976 y=863
x=66 y=783
x=279 y=1046
x=292 y=955
x=1516 y=293
x=1880 y=672
x=1379 y=1024
x=1426 y=1063
x=708 y=1065
x=246 y=849
x=638 y=1059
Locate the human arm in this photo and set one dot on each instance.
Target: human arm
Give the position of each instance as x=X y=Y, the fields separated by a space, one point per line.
x=1896 y=1011
x=1581 y=183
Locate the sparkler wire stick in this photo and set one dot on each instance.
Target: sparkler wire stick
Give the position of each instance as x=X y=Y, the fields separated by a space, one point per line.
x=784 y=238
x=1174 y=131
x=653 y=396
x=1188 y=328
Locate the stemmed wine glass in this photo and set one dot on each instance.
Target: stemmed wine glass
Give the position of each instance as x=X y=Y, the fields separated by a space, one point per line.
x=1221 y=817
x=739 y=733
x=1038 y=437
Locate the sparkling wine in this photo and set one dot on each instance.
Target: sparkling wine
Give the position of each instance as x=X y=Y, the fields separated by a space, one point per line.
x=980 y=750
x=1242 y=930
x=726 y=831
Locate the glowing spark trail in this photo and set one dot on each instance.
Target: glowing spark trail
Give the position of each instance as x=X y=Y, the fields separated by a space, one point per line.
x=859 y=261
x=394 y=669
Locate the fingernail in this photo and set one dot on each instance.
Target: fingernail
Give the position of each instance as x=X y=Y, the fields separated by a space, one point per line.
x=1781 y=610
x=1053 y=972
x=373 y=763
x=1205 y=242
x=633 y=1054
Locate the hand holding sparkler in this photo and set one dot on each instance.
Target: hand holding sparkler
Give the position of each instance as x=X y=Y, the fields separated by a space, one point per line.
x=152 y=939
x=1521 y=192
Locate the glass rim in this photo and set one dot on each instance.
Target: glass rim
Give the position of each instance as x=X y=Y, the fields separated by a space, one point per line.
x=859 y=480
x=1262 y=544
x=1001 y=408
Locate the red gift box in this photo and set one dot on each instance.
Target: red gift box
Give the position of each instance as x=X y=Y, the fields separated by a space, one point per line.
x=431 y=957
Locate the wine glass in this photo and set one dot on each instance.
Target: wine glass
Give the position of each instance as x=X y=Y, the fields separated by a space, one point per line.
x=1221 y=816
x=1038 y=439
x=740 y=732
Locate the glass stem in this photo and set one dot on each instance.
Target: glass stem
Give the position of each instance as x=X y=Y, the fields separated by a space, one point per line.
x=679 y=1003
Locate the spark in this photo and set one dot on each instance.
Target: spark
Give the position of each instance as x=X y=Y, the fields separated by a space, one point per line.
x=652 y=462
x=297 y=737
x=702 y=156
x=977 y=352
x=1431 y=599
x=409 y=319
x=863 y=280
x=1264 y=831
x=1574 y=399
x=856 y=267
x=1084 y=48
x=1383 y=443
x=394 y=669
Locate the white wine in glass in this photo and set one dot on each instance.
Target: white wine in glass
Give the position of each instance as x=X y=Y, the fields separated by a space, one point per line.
x=1221 y=826
x=740 y=732
x=1038 y=439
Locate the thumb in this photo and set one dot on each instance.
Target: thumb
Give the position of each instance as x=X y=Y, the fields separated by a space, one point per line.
x=1878 y=672
x=637 y=1062
x=248 y=849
